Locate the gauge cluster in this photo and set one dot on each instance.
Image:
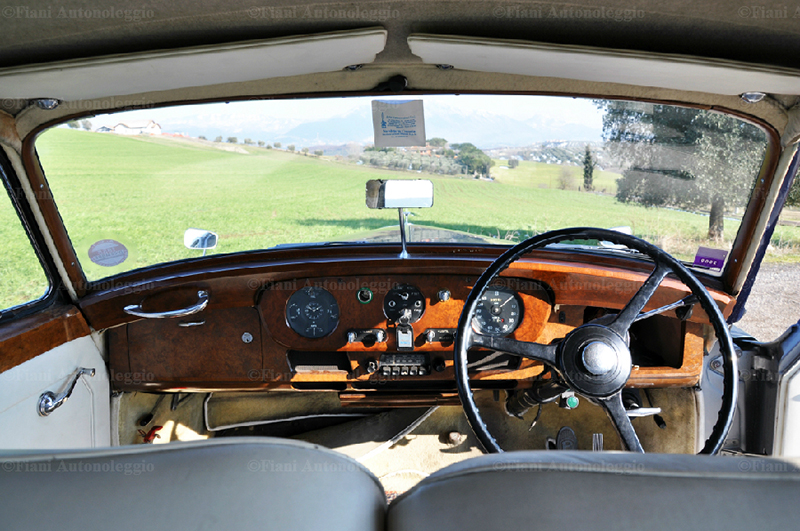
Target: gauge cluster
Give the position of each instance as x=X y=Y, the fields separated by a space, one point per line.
x=358 y=328
x=399 y=314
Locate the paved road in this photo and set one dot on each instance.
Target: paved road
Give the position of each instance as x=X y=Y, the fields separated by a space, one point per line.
x=774 y=303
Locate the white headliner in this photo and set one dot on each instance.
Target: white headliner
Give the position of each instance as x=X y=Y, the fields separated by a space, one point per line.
x=600 y=65
x=192 y=67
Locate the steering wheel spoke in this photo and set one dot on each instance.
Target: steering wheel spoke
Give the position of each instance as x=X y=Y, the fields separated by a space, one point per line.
x=628 y=315
x=622 y=423
x=532 y=351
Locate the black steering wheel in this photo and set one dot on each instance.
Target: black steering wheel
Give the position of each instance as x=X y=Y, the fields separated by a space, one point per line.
x=594 y=359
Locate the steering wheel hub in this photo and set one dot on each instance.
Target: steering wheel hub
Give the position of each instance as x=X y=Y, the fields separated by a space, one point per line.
x=595 y=360
x=598 y=358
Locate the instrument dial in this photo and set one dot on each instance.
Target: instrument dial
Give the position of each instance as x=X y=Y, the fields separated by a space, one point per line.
x=499 y=312
x=312 y=312
x=402 y=298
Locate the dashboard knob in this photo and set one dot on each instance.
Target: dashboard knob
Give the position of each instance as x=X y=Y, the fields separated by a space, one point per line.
x=351 y=337
x=372 y=366
x=430 y=336
x=444 y=295
x=405 y=316
x=380 y=335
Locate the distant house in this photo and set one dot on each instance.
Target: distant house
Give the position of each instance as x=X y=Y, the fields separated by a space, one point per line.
x=425 y=150
x=138 y=127
x=103 y=129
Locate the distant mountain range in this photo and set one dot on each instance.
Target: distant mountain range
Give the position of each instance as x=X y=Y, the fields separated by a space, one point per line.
x=483 y=129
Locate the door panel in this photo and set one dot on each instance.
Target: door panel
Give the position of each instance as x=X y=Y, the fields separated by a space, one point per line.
x=80 y=422
x=43 y=338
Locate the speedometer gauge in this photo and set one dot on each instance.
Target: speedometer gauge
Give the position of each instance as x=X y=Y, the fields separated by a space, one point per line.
x=499 y=312
x=312 y=312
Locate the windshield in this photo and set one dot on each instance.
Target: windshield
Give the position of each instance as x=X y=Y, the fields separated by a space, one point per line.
x=259 y=174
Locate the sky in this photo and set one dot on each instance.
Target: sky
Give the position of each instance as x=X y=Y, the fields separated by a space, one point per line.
x=277 y=116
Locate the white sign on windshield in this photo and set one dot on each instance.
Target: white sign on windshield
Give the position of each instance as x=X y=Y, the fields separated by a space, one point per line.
x=398 y=123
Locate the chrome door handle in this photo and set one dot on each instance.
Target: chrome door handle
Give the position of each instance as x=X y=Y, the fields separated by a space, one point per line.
x=202 y=302
x=49 y=402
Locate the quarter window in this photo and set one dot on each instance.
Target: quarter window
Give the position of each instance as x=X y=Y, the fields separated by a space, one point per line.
x=22 y=278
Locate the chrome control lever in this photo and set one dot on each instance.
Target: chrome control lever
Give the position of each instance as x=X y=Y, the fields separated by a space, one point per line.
x=637 y=412
x=49 y=401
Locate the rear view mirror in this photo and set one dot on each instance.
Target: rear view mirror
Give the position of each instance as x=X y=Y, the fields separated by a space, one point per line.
x=199 y=239
x=405 y=193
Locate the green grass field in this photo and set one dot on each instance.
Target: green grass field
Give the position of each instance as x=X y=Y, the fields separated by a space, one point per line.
x=542 y=175
x=145 y=192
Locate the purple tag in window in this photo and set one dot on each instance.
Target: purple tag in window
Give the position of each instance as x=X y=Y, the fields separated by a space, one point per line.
x=710 y=258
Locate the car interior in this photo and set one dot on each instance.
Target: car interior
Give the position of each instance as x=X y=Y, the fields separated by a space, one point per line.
x=393 y=265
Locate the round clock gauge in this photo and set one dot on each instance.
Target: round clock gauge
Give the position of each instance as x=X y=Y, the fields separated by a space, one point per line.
x=312 y=312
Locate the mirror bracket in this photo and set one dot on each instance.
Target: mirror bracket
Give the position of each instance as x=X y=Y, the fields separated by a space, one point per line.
x=403 y=217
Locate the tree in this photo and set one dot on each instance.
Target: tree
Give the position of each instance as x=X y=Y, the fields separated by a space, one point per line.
x=232 y=140
x=248 y=142
x=72 y=124
x=260 y=143
x=86 y=124
x=473 y=160
x=793 y=199
x=682 y=157
x=277 y=144
x=566 y=181
x=513 y=163
x=218 y=139
x=728 y=165
x=319 y=152
x=588 y=170
x=201 y=137
x=437 y=142
x=304 y=150
x=290 y=147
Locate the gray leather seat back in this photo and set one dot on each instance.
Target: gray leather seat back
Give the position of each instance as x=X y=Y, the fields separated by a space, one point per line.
x=603 y=491
x=230 y=484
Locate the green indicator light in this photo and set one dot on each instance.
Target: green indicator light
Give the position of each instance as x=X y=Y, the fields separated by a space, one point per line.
x=572 y=402
x=364 y=295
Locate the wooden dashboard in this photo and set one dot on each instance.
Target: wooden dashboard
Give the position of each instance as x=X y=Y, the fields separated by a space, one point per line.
x=243 y=339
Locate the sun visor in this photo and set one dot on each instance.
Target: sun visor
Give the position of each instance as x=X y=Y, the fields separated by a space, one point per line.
x=192 y=67
x=603 y=65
